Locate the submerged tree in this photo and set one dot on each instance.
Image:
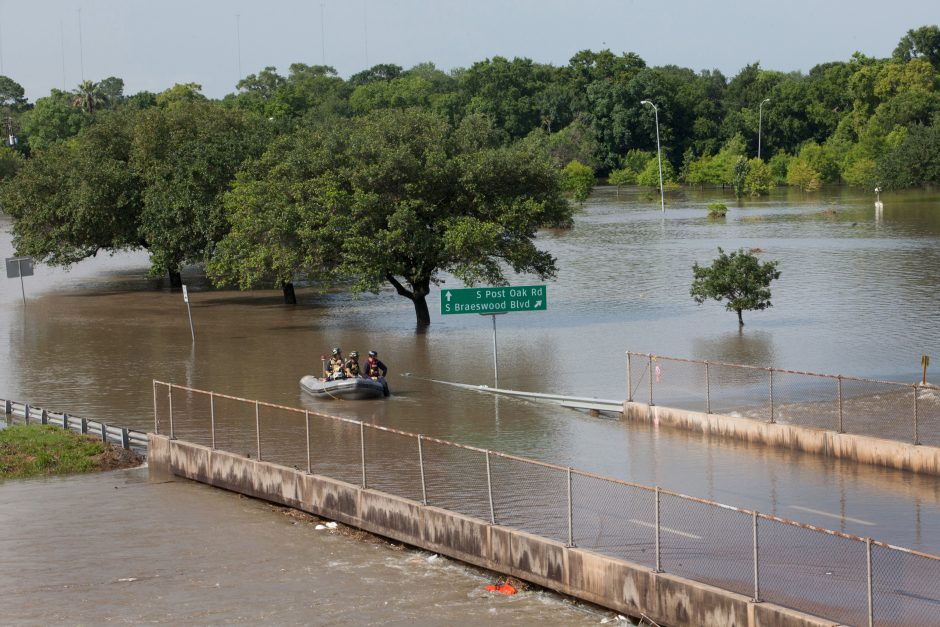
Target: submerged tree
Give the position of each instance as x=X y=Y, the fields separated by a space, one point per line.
x=738 y=278
x=396 y=197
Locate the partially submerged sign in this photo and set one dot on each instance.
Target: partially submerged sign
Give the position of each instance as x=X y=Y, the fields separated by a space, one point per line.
x=494 y=300
x=19 y=267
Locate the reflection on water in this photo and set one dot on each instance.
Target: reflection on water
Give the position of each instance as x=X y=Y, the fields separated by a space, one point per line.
x=856 y=296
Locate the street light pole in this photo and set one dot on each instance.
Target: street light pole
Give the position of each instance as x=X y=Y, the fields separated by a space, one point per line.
x=662 y=193
x=760 y=119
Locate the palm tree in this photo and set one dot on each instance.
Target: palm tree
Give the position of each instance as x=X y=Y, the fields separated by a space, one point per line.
x=88 y=96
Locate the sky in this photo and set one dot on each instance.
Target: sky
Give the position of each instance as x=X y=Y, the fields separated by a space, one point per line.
x=154 y=44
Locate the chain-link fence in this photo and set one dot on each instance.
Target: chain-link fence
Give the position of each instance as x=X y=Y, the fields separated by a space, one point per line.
x=827 y=573
x=896 y=411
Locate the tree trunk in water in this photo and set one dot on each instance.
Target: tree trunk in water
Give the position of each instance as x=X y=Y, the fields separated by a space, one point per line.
x=421 y=311
x=740 y=319
x=290 y=298
x=422 y=287
x=176 y=280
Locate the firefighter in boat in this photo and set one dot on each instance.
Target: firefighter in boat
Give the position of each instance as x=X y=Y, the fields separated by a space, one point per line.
x=352 y=367
x=375 y=369
x=336 y=367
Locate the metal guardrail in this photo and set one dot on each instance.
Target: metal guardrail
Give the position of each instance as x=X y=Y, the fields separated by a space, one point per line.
x=834 y=575
x=122 y=436
x=905 y=412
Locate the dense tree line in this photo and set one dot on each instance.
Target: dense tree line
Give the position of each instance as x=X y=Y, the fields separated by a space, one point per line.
x=300 y=176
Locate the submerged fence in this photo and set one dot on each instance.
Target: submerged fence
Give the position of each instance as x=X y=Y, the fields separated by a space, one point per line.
x=830 y=574
x=883 y=409
x=121 y=436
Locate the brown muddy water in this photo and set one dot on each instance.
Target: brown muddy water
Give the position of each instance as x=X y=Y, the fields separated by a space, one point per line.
x=118 y=547
x=859 y=295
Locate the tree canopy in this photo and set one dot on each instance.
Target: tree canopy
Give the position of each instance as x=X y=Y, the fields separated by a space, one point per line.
x=738 y=278
x=396 y=196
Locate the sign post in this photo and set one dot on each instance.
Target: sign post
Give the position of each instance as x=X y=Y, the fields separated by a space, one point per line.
x=20 y=267
x=494 y=301
x=189 y=311
x=924 y=361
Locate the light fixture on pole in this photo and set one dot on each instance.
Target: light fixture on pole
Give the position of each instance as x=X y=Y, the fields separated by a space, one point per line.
x=659 y=157
x=760 y=119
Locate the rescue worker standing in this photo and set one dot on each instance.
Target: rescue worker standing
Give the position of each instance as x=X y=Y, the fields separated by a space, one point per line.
x=375 y=369
x=335 y=368
x=352 y=368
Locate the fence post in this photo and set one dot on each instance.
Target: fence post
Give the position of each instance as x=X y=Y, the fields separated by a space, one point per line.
x=916 y=434
x=169 y=393
x=85 y=426
x=44 y=417
x=362 y=451
x=307 y=431
x=489 y=488
x=570 y=512
x=65 y=420
x=771 y=371
x=212 y=417
x=125 y=438
x=650 y=375
x=26 y=412
x=424 y=488
x=659 y=565
x=156 y=420
x=871 y=600
x=841 y=428
x=629 y=379
x=756 y=598
x=104 y=433
x=708 y=391
x=258 y=428
x=8 y=406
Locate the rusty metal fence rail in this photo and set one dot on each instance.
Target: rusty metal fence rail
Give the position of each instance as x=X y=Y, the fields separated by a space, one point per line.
x=841 y=577
x=906 y=412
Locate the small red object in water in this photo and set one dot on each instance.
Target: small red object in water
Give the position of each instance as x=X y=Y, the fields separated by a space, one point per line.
x=503 y=588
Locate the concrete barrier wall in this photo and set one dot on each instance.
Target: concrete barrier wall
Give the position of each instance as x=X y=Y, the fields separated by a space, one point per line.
x=858 y=448
x=627 y=588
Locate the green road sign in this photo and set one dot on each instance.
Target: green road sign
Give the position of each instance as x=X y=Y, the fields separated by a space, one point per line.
x=493 y=300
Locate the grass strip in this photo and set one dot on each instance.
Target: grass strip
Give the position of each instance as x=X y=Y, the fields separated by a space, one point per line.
x=37 y=450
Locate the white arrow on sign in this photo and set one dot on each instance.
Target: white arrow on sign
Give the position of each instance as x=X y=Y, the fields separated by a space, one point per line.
x=447 y=294
x=538 y=304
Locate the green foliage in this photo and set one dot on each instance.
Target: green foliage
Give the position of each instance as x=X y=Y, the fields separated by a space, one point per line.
x=738 y=278
x=649 y=176
x=914 y=161
x=575 y=142
x=186 y=155
x=509 y=93
x=396 y=196
x=779 y=165
x=54 y=119
x=34 y=450
x=10 y=162
x=862 y=172
x=759 y=179
x=717 y=210
x=180 y=94
x=621 y=177
x=578 y=179
x=78 y=197
x=802 y=175
x=12 y=93
x=920 y=42
x=88 y=97
x=739 y=174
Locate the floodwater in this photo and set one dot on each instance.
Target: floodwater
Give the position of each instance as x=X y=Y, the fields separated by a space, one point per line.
x=177 y=552
x=859 y=295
